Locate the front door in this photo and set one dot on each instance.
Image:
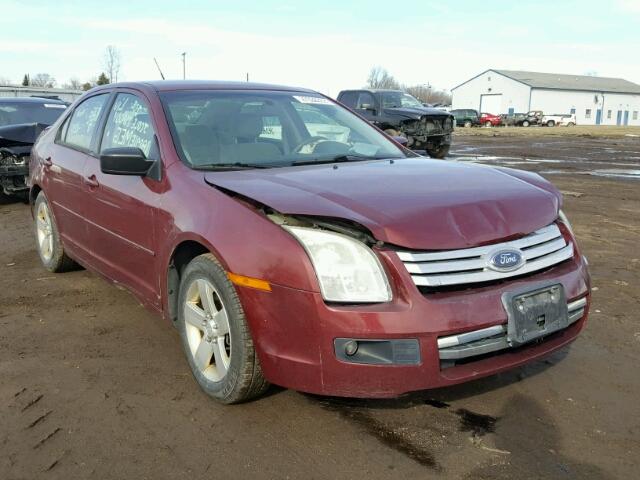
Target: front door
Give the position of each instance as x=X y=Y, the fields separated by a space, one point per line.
x=121 y=208
x=626 y=117
x=619 y=118
x=598 y=117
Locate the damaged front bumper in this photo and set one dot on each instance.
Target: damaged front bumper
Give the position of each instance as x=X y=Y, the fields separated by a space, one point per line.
x=429 y=130
x=14 y=173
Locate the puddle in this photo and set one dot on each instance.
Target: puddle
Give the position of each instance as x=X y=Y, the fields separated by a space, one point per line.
x=616 y=172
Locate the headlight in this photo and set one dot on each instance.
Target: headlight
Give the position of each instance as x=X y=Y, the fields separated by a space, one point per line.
x=562 y=218
x=347 y=270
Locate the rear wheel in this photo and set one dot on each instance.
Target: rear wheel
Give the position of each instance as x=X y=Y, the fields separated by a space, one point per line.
x=215 y=334
x=551 y=123
x=488 y=124
x=441 y=151
x=526 y=123
x=571 y=124
x=467 y=124
x=49 y=244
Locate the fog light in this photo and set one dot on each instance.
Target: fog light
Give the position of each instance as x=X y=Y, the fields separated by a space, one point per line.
x=350 y=348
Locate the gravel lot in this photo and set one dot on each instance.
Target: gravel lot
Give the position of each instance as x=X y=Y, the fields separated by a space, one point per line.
x=94 y=386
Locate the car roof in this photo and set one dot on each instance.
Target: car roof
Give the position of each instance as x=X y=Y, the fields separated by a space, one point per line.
x=374 y=90
x=176 y=85
x=40 y=100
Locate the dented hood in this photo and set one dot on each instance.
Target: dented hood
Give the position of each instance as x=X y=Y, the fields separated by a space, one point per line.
x=414 y=203
x=21 y=134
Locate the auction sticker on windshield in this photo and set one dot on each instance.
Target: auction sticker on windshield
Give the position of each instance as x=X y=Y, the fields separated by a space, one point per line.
x=315 y=100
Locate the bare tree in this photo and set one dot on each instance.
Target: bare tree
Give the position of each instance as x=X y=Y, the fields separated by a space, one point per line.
x=73 y=84
x=112 y=62
x=427 y=94
x=380 y=78
x=5 y=81
x=42 y=80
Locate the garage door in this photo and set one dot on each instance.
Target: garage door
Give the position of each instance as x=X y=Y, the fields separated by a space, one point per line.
x=491 y=104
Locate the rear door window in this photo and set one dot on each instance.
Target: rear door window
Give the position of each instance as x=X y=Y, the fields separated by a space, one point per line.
x=129 y=125
x=82 y=125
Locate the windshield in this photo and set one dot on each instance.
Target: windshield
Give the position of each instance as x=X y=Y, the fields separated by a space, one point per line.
x=14 y=113
x=399 y=100
x=261 y=128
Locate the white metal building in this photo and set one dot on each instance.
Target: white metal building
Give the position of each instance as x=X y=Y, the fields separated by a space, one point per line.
x=61 y=93
x=594 y=100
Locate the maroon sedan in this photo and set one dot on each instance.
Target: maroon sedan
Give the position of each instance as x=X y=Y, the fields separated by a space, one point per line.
x=490 y=120
x=291 y=242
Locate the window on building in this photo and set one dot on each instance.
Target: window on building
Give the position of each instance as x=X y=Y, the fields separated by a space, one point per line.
x=608 y=114
x=573 y=111
x=488 y=79
x=635 y=115
x=587 y=113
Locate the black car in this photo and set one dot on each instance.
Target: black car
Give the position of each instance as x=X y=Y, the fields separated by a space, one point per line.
x=466 y=117
x=400 y=114
x=21 y=121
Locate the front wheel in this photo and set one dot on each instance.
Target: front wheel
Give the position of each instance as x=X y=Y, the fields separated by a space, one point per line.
x=440 y=152
x=488 y=124
x=551 y=123
x=48 y=240
x=215 y=335
x=525 y=123
x=467 y=124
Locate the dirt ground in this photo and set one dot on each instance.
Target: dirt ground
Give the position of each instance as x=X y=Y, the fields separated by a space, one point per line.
x=94 y=386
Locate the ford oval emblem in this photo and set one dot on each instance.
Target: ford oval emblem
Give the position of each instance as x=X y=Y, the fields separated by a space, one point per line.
x=506 y=260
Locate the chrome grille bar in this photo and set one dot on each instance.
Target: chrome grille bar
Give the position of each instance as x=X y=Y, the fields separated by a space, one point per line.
x=541 y=249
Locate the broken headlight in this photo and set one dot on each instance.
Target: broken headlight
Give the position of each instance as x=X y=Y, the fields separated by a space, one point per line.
x=8 y=159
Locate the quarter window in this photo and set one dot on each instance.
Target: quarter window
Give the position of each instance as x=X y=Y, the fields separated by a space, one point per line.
x=129 y=125
x=84 y=119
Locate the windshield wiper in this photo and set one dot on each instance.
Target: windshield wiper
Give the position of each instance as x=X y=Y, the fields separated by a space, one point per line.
x=337 y=159
x=232 y=166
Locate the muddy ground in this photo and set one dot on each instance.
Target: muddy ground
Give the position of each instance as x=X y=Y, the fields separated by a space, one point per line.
x=94 y=386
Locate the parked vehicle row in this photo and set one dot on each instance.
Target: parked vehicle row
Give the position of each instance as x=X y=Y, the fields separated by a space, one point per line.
x=292 y=242
x=470 y=118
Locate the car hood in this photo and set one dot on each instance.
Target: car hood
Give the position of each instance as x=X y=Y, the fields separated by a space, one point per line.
x=414 y=203
x=416 y=113
x=21 y=134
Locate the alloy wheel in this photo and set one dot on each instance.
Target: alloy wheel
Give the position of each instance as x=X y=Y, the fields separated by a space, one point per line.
x=44 y=229
x=207 y=330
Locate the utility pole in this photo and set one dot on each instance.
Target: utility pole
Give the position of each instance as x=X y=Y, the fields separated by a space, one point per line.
x=247 y=77
x=184 y=65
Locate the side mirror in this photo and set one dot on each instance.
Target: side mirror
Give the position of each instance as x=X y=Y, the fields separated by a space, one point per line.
x=125 y=161
x=401 y=140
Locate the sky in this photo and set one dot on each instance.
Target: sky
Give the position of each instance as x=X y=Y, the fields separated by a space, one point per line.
x=326 y=45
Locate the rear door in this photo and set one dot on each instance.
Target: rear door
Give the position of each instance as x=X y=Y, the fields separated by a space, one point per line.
x=64 y=165
x=121 y=208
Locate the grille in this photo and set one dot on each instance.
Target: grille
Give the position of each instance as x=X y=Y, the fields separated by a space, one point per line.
x=541 y=249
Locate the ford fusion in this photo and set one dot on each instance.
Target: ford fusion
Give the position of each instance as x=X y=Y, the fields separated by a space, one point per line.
x=291 y=242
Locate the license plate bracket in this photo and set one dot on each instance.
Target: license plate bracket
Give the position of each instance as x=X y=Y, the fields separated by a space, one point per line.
x=534 y=313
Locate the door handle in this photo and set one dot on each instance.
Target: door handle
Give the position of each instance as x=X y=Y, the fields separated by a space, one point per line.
x=91 y=181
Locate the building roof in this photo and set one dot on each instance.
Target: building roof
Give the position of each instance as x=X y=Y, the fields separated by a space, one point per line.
x=558 y=81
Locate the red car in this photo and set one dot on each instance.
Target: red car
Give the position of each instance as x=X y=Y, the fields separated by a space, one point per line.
x=490 y=120
x=291 y=242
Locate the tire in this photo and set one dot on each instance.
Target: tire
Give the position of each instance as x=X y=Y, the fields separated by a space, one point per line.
x=467 y=124
x=488 y=124
x=215 y=335
x=571 y=124
x=526 y=123
x=48 y=240
x=551 y=123
x=439 y=152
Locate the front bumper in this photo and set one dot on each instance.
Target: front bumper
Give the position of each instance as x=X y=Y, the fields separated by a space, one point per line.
x=296 y=333
x=13 y=178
